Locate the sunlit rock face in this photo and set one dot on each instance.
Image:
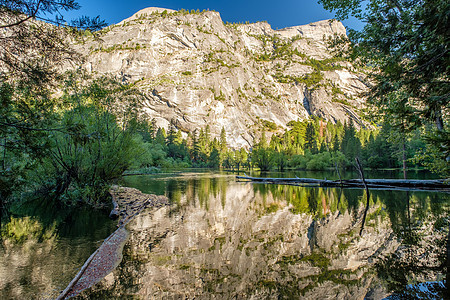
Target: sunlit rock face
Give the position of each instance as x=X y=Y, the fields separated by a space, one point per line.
x=198 y=71
x=235 y=242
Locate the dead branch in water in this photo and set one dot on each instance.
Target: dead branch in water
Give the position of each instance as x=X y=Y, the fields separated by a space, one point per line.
x=388 y=184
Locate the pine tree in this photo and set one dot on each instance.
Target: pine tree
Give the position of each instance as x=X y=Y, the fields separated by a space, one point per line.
x=214 y=158
x=311 y=138
x=171 y=134
x=195 y=150
x=350 y=146
x=336 y=143
x=405 y=44
x=223 y=140
x=160 y=136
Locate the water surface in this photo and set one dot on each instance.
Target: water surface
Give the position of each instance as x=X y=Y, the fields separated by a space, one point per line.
x=236 y=240
x=44 y=245
x=228 y=239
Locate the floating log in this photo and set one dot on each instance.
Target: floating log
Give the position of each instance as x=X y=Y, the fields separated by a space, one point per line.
x=436 y=184
x=128 y=203
x=294 y=180
x=98 y=265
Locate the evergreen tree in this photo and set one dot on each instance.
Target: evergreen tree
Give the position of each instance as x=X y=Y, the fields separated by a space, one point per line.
x=223 y=141
x=160 y=137
x=203 y=145
x=171 y=134
x=263 y=141
x=350 y=146
x=336 y=143
x=152 y=129
x=405 y=44
x=214 y=159
x=195 y=149
x=311 y=138
x=261 y=155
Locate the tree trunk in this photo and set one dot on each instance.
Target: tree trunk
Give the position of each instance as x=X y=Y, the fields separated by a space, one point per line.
x=447 y=277
x=404 y=159
x=439 y=121
x=361 y=173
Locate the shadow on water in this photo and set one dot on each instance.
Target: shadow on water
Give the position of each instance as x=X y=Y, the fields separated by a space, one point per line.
x=43 y=245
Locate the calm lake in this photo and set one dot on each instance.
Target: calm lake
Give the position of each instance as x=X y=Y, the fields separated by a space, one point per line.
x=228 y=239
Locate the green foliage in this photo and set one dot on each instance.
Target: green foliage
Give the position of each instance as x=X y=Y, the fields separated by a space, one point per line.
x=118 y=47
x=404 y=44
x=350 y=144
x=311 y=138
x=69 y=148
x=269 y=125
x=328 y=64
x=315 y=145
x=280 y=160
x=336 y=90
x=20 y=229
x=277 y=48
x=318 y=260
x=320 y=161
x=214 y=159
x=93 y=149
x=340 y=100
x=31 y=57
x=311 y=80
x=263 y=158
x=435 y=156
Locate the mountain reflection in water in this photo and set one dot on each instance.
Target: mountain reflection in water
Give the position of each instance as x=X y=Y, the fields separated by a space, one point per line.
x=227 y=239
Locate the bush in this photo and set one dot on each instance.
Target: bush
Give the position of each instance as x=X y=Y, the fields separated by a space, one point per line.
x=298 y=162
x=320 y=161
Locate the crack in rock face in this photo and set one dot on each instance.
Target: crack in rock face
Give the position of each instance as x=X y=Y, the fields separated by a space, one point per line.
x=227 y=75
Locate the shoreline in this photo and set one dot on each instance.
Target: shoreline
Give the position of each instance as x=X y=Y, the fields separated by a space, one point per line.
x=128 y=203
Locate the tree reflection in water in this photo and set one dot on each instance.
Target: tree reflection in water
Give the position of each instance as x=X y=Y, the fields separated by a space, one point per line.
x=43 y=245
x=225 y=239
x=422 y=225
x=228 y=239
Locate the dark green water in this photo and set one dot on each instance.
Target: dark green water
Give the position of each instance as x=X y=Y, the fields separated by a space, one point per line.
x=44 y=246
x=225 y=239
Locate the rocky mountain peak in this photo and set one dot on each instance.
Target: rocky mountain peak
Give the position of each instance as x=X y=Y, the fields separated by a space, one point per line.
x=317 y=30
x=145 y=12
x=195 y=70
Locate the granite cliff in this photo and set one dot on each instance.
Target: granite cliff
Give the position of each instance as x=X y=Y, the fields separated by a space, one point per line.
x=196 y=70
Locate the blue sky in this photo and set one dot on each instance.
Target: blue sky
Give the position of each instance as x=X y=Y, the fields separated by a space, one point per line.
x=279 y=14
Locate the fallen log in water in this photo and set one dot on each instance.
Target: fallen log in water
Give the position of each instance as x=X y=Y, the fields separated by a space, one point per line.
x=99 y=264
x=128 y=203
x=286 y=180
x=436 y=184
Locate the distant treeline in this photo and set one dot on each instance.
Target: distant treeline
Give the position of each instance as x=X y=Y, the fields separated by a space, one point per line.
x=310 y=144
